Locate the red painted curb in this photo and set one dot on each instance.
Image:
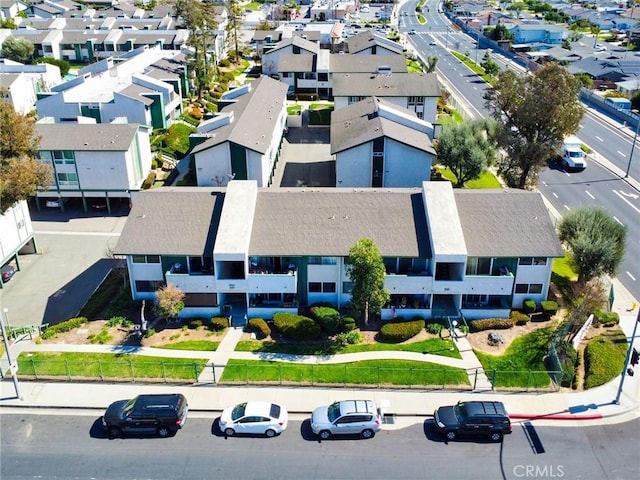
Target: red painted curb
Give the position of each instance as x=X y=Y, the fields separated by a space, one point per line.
x=556 y=416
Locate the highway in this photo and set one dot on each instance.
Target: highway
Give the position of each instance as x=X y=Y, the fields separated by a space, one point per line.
x=601 y=184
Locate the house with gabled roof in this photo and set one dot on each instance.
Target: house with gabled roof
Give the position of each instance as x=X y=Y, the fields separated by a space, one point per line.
x=543 y=33
x=370 y=43
x=295 y=45
x=93 y=162
x=11 y=8
x=378 y=144
x=440 y=260
x=243 y=141
x=22 y=83
x=418 y=92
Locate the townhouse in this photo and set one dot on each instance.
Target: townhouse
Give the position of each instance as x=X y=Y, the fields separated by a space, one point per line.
x=16 y=235
x=257 y=251
x=22 y=83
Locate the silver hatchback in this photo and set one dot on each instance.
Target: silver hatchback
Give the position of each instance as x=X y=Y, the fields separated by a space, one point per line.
x=360 y=417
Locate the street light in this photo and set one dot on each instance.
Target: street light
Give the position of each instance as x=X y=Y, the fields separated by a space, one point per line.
x=633 y=146
x=12 y=366
x=626 y=360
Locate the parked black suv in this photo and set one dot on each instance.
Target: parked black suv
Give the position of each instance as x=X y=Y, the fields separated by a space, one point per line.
x=146 y=414
x=472 y=419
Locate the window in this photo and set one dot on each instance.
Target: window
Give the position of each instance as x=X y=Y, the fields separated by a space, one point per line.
x=315 y=287
x=148 y=285
x=347 y=287
x=522 y=288
x=45 y=155
x=539 y=261
x=323 y=260
x=63 y=156
x=535 y=288
x=145 y=258
x=329 y=287
x=525 y=261
x=478 y=266
x=67 y=178
x=415 y=101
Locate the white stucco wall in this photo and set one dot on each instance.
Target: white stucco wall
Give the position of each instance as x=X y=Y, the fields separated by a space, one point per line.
x=405 y=166
x=211 y=163
x=123 y=106
x=15 y=230
x=55 y=106
x=353 y=167
x=532 y=274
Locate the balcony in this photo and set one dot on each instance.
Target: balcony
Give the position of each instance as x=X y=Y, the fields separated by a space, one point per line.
x=267 y=282
x=489 y=285
x=408 y=284
x=192 y=283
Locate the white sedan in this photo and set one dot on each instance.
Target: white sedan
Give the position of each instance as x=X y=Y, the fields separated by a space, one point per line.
x=261 y=418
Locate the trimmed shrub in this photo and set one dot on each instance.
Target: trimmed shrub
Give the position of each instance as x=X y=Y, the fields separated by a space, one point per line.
x=258 y=325
x=529 y=306
x=219 y=323
x=115 y=321
x=519 y=318
x=149 y=181
x=195 y=323
x=150 y=333
x=434 y=328
x=348 y=324
x=63 y=327
x=549 y=307
x=328 y=318
x=396 y=332
x=103 y=337
x=490 y=324
x=296 y=327
x=349 y=338
x=606 y=319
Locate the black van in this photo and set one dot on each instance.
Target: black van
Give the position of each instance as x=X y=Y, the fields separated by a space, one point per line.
x=158 y=414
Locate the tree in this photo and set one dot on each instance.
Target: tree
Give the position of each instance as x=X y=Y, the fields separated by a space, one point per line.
x=467 y=148
x=595 y=240
x=17 y=49
x=235 y=15
x=169 y=302
x=489 y=66
x=366 y=272
x=431 y=63
x=502 y=33
x=535 y=113
x=199 y=19
x=63 y=65
x=20 y=172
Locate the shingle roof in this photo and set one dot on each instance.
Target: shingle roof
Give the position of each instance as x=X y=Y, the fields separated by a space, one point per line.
x=303 y=43
x=137 y=92
x=368 y=39
x=296 y=63
x=86 y=136
x=366 y=63
x=172 y=221
x=329 y=221
x=255 y=114
x=383 y=85
x=506 y=223
x=360 y=123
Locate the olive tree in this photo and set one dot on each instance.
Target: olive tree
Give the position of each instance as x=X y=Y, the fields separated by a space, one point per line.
x=366 y=272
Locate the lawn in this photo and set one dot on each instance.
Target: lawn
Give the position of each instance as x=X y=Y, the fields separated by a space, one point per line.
x=435 y=346
x=563 y=267
x=114 y=366
x=370 y=372
x=604 y=358
x=199 y=345
x=522 y=364
x=475 y=68
x=486 y=180
x=294 y=109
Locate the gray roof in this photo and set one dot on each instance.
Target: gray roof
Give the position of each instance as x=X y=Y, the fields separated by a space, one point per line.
x=168 y=68
x=171 y=221
x=261 y=35
x=255 y=114
x=366 y=63
x=7 y=79
x=360 y=123
x=86 y=136
x=384 y=85
x=329 y=221
x=297 y=41
x=506 y=223
x=137 y=92
x=368 y=39
x=296 y=63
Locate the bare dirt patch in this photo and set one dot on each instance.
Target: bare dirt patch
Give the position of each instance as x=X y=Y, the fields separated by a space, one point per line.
x=479 y=340
x=125 y=336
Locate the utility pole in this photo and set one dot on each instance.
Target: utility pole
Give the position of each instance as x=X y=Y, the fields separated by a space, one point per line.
x=12 y=366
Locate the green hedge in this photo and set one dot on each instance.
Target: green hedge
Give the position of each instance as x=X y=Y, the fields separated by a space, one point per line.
x=398 y=331
x=296 y=327
x=260 y=326
x=549 y=307
x=606 y=319
x=490 y=324
x=434 y=328
x=219 y=323
x=328 y=318
x=519 y=318
x=195 y=323
x=529 y=306
x=348 y=324
x=62 y=327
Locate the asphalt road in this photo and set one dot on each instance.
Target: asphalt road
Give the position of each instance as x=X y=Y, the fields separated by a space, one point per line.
x=75 y=447
x=595 y=186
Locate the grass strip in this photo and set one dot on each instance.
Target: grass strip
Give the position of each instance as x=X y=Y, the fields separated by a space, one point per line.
x=199 y=345
x=108 y=365
x=434 y=346
x=604 y=358
x=368 y=372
